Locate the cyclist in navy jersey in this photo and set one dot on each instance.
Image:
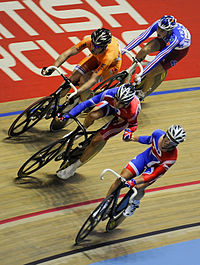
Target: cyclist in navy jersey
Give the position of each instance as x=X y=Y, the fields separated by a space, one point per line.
x=119 y=102
x=173 y=41
x=150 y=165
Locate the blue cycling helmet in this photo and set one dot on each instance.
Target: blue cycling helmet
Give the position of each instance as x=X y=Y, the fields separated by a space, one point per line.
x=167 y=23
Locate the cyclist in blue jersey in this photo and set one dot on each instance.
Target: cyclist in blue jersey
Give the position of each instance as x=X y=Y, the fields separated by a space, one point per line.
x=172 y=42
x=150 y=165
x=119 y=102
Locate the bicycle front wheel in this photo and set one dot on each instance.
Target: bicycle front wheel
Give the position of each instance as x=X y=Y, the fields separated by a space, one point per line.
x=95 y=217
x=41 y=158
x=29 y=117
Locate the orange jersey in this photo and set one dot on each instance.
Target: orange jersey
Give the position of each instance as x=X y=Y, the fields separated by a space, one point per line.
x=107 y=59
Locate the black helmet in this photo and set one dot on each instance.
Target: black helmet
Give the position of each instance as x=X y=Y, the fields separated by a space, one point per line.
x=101 y=37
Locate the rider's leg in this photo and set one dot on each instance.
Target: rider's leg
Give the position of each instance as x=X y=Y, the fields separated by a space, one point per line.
x=84 y=78
x=74 y=78
x=94 y=147
x=152 y=46
x=161 y=69
x=134 y=203
x=97 y=142
x=132 y=170
x=150 y=77
x=93 y=115
x=91 y=150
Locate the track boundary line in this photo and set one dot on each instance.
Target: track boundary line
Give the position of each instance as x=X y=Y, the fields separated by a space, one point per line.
x=108 y=243
x=152 y=94
x=75 y=205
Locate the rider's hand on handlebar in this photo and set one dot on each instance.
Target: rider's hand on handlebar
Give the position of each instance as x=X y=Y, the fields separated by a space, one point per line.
x=137 y=79
x=130 y=183
x=62 y=118
x=44 y=71
x=127 y=135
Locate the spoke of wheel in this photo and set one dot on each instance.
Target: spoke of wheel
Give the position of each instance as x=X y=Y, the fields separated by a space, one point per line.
x=86 y=230
x=32 y=165
x=18 y=125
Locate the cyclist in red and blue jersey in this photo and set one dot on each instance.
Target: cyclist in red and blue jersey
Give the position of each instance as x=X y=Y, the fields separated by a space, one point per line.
x=119 y=102
x=173 y=41
x=150 y=165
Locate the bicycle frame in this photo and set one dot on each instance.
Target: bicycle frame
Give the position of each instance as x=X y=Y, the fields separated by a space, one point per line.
x=108 y=208
x=128 y=196
x=45 y=107
x=57 y=152
x=131 y=70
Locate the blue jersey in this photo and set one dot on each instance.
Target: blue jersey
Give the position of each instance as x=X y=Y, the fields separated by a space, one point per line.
x=152 y=160
x=178 y=40
x=106 y=97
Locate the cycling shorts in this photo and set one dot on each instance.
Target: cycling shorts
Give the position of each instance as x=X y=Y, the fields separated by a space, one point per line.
x=91 y=64
x=113 y=127
x=173 y=57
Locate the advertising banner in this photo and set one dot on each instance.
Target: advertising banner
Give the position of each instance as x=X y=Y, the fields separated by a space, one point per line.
x=33 y=33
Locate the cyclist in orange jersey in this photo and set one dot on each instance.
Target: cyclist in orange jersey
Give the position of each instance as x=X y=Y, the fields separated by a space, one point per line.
x=104 y=61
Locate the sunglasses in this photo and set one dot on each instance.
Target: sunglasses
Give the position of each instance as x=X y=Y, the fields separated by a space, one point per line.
x=170 y=140
x=120 y=102
x=96 y=46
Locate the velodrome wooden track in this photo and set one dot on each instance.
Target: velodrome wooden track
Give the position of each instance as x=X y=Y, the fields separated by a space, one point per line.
x=45 y=235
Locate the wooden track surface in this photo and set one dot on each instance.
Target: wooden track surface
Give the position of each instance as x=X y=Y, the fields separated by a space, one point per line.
x=45 y=235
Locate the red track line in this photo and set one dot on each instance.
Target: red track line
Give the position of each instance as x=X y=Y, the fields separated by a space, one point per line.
x=20 y=217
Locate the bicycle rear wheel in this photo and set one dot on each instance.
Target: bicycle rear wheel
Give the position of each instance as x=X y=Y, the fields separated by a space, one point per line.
x=41 y=158
x=95 y=217
x=111 y=82
x=29 y=117
x=76 y=152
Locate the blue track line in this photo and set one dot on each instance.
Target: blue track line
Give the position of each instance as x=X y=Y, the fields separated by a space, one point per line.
x=152 y=94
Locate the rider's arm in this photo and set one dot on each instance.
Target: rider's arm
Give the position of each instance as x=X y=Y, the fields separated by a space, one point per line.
x=159 y=171
x=89 y=84
x=145 y=139
x=83 y=105
x=161 y=55
x=143 y=36
x=65 y=55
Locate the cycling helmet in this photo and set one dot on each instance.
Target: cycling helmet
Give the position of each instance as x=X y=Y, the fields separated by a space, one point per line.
x=101 y=37
x=176 y=134
x=125 y=93
x=167 y=23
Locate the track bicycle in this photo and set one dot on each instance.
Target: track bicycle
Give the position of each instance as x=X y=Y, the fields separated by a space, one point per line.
x=46 y=107
x=68 y=149
x=109 y=209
